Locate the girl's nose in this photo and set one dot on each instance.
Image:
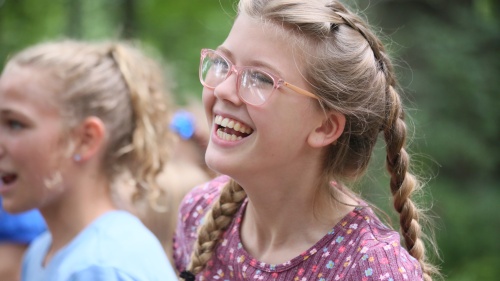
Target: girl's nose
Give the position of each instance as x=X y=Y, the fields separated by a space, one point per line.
x=228 y=89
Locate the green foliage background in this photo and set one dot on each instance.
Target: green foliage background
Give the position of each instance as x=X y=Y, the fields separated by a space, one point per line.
x=447 y=56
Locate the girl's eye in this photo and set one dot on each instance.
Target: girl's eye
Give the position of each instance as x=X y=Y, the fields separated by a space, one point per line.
x=264 y=78
x=14 y=125
x=260 y=78
x=220 y=65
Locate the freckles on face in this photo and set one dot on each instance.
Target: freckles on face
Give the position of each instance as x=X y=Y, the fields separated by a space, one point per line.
x=30 y=137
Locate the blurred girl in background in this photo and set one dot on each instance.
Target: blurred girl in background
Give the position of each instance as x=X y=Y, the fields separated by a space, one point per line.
x=74 y=117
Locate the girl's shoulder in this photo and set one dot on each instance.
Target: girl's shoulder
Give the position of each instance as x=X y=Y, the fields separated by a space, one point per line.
x=192 y=210
x=377 y=251
x=102 y=249
x=201 y=197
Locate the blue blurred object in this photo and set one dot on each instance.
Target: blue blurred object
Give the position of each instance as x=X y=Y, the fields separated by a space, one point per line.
x=183 y=124
x=20 y=228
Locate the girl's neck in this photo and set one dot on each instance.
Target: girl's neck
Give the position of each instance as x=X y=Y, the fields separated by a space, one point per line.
x=279 y=226
x=71 y=215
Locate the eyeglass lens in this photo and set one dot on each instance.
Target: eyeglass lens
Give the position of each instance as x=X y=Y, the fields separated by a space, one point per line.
x=255 y=86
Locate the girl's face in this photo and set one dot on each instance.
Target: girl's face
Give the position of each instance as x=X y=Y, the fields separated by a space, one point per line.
x=31 y=150
x=273 y=135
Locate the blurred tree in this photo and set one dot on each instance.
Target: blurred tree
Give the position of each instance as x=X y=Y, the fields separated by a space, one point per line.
x=74 y=18
x=129 y=18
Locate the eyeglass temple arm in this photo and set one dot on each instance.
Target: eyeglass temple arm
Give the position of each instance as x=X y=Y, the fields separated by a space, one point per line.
x=300 y=91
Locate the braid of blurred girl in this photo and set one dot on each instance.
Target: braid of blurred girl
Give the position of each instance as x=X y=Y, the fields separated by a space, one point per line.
x=349 y=70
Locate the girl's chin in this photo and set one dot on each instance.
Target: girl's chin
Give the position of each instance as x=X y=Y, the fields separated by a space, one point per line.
x=214 y=166
x=220 y=165
x=12 y=207
x=6 y=189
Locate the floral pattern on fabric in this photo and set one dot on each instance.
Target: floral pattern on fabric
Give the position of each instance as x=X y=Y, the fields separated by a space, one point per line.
x=359 y=247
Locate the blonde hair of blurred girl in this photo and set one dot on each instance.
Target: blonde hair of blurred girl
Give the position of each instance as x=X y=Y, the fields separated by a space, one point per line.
x=185 y=169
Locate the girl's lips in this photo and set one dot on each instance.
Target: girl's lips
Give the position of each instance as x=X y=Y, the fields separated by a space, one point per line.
x=7 y=178
x=3 y=187
x=6 y=181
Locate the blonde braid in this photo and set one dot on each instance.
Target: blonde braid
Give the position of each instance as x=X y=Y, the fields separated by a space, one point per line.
x=215 y=223
x=355 y=22
x=403 y=184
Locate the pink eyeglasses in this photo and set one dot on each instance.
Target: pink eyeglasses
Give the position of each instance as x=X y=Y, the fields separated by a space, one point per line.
x=254 y=86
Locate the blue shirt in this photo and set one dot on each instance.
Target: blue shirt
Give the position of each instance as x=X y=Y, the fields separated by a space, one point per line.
x=116 y=246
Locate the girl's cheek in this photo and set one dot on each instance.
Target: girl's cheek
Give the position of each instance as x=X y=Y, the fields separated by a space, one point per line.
x=208 y=98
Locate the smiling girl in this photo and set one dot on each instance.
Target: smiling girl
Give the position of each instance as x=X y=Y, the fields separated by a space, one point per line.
x=296 y=97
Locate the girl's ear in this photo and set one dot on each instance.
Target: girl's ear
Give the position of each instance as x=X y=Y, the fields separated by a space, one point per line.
x=328 y=131
x=89 y=139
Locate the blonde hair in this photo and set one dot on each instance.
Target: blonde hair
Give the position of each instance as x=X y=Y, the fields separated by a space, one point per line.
x=116 y=82
x=349 y=70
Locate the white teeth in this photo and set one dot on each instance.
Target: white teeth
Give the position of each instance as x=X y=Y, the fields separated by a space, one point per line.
x=232 y=124
x=226 y=136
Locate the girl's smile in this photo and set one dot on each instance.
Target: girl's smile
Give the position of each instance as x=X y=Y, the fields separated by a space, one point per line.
x=228 y=129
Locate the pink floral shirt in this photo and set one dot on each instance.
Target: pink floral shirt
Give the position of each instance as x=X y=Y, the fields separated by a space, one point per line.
x=359 y=247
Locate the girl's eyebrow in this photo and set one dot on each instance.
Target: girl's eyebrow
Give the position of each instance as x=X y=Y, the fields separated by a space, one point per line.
x=225 y=52
x=253 y=63
x=7 y=112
